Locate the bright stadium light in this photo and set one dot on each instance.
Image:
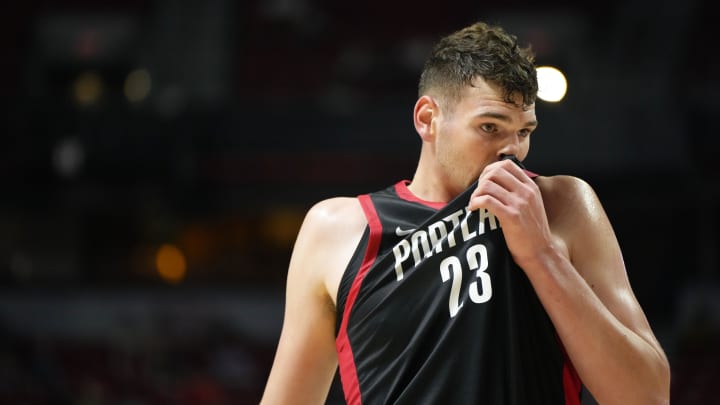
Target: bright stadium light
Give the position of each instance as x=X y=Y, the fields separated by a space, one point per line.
x=552 y=84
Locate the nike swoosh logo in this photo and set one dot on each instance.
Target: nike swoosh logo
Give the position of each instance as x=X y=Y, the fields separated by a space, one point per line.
x=403 y=232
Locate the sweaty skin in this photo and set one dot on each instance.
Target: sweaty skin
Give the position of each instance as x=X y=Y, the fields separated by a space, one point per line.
x=556 y=230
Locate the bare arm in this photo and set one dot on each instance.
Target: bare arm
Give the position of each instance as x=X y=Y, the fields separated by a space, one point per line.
x=575 y=265
x=306 y=360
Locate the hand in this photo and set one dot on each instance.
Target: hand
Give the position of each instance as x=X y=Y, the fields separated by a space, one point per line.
x=512 y=196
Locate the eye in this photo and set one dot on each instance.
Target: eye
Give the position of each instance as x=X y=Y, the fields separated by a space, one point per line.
x=489 y=127
x=524 y=133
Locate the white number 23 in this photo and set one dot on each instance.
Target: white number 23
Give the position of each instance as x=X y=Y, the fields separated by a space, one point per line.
x=451 y=268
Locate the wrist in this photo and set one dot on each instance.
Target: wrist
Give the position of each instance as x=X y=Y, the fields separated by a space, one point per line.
x=543 y=259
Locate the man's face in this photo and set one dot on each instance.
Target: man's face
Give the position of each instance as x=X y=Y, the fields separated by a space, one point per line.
x=478 y=130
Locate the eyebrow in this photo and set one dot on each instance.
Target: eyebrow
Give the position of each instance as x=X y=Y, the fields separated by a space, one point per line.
x=504 y=118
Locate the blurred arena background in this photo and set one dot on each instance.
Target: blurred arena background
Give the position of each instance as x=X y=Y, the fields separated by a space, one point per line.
x=157 y=157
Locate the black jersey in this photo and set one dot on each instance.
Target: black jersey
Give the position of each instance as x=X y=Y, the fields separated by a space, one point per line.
x=433 y=310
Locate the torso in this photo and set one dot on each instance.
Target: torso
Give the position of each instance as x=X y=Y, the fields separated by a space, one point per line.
x=397 y=291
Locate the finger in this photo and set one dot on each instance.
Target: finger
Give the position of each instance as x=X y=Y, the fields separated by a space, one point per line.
x=488 y=202
x=509 y=185
x=488 y=186
x=505 y=173
x=516 y=169
x=503 y=187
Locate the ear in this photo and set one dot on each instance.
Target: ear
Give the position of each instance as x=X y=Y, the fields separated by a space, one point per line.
x=426 y=110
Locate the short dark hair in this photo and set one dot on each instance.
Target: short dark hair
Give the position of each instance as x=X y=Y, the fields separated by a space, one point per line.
x=480 y=50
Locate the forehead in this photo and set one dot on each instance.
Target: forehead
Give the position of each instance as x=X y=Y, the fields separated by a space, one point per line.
x=483 y=96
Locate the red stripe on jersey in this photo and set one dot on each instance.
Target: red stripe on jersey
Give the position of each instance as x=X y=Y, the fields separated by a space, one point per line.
x=404 y=192
x=571 y=382
x=346 y=361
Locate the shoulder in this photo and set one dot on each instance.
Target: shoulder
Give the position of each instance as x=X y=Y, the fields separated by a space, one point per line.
x=329 y=223
x=567 y=194
x=334 y=214
x=563 y=185
x=575 y=213
x=571 y=204
x=327 y=239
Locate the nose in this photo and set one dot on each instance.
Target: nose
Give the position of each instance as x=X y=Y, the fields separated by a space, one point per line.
x=509 y=144
x=511 y=147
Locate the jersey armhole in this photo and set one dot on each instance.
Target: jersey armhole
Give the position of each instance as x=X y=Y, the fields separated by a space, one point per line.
x=349 y=276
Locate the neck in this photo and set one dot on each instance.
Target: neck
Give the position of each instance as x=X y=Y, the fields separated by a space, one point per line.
x=432 y=184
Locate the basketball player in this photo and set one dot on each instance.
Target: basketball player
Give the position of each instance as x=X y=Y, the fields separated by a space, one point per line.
x=477 y=282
